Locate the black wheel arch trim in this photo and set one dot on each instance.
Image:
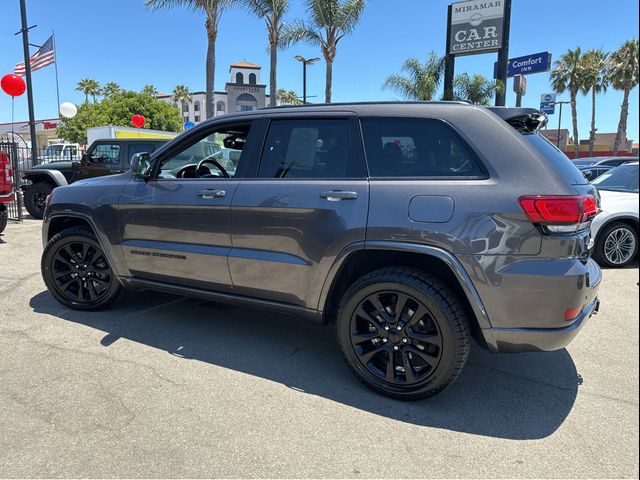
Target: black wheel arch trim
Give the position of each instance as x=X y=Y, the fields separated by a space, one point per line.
x=448 y=258
x=96 y=231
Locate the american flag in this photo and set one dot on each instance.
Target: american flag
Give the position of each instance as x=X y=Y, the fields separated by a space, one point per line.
x=46 y=55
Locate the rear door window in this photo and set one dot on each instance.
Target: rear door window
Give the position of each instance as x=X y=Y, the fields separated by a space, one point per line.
x=302 y=149
x=416 y=147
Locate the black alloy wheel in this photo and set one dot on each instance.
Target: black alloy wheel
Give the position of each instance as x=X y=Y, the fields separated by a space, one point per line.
x=77 y=272
x=403 y=332
x=396 y=337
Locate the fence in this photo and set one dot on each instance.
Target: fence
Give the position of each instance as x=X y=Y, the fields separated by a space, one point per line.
x=22 y=159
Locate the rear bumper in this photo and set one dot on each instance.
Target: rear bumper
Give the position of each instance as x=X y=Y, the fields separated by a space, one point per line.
x=523 y=339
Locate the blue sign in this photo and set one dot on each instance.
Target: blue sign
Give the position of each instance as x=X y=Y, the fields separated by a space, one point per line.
x=548 y=103
x=536 y=63
x=188 y=125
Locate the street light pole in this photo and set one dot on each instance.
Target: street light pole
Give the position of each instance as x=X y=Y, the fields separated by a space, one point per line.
x=305 y=62
x=560 y=121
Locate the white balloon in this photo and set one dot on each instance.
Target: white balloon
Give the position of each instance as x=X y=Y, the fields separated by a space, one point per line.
x=68 y=110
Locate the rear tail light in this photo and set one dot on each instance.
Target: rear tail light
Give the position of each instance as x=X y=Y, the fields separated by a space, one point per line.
x=571 y=313
x=560 y=213
x=8 y=173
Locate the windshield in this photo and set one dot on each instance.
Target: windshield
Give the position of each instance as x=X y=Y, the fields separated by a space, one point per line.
x=619 y=179
x=53 y=150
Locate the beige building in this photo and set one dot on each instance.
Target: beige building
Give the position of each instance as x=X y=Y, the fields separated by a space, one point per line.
x=243 y=92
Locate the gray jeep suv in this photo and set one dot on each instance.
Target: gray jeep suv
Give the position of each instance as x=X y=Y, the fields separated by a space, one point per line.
x=413 y=227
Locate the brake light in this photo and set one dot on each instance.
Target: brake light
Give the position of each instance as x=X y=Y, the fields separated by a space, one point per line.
x=560 y=213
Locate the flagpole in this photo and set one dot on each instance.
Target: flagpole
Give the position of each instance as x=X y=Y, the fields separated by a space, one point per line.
x=55 y=57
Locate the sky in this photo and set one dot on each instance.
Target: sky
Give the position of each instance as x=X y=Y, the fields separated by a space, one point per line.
x=124 y=42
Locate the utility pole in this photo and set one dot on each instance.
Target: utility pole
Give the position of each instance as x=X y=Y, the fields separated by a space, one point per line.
x=27 y=68
x=503 y=56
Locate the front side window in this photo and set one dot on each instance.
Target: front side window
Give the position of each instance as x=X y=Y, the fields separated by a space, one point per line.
x=296 y=149
x=106 y=153
x=408 y=147
x=215 y=156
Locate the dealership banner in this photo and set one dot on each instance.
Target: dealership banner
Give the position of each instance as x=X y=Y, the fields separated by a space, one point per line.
x=476 y=27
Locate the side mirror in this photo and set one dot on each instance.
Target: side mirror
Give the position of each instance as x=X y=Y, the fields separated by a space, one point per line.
x=587 y=174
x=140 y=163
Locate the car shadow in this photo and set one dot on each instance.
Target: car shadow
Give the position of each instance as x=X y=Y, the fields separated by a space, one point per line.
x=514 y=396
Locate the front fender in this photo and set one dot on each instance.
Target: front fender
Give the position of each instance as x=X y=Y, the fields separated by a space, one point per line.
x=54 y=175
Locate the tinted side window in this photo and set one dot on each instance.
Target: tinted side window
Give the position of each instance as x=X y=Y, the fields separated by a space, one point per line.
x=107 y=153
x=411 y=147
x=309 y=149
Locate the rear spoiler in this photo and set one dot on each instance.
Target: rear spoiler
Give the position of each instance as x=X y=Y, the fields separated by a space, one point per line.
x=525 y=120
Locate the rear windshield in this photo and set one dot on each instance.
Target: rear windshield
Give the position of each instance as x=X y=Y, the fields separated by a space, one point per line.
x=558 y=159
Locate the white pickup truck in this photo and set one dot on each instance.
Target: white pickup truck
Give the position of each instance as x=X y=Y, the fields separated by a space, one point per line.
x=60 y=152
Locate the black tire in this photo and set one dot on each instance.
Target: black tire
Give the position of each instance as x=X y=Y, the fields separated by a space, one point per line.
x=603 y=252
x=420 y=367
x=76 y=271
x=34 y=198
x=4 y=217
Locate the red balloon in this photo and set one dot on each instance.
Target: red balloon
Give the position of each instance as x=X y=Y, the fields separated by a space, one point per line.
x=13 y=85
x=137 y=120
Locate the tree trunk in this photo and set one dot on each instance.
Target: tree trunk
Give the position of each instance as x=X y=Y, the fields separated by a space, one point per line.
x=272 y=74
x=212 y=33
x=328 y=80
x=574 y=119
x=622 y=124
x=592 y=134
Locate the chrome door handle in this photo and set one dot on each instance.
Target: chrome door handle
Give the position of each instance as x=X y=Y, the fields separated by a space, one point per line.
x=336 y=195
x=212 y=194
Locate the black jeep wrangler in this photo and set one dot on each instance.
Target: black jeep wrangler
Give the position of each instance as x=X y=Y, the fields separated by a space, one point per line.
x=103 y=157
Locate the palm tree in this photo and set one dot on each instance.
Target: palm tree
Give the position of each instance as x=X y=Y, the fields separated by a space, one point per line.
x=288 y=97
x=213 y=10
x=594 y=80
x=623 y=75
x=329 y=22
x=150 y=90
x=422 y=79
x=272 y=11
x=181 y=95
x=567 y=75
x=88 y=86
x=476 y=89
x=110 y=88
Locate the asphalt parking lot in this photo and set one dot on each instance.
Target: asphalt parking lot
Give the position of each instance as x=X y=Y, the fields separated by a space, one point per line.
x=164 y=386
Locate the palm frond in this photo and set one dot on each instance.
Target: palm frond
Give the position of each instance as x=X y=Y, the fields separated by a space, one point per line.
x=298 y=31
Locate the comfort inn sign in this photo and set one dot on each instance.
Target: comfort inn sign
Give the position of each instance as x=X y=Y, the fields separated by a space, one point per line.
x=476 y=27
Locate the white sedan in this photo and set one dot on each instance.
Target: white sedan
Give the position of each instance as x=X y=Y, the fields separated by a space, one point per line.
x=614 y=231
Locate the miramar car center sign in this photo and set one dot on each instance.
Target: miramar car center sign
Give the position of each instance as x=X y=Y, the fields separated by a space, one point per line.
x=476 y=27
